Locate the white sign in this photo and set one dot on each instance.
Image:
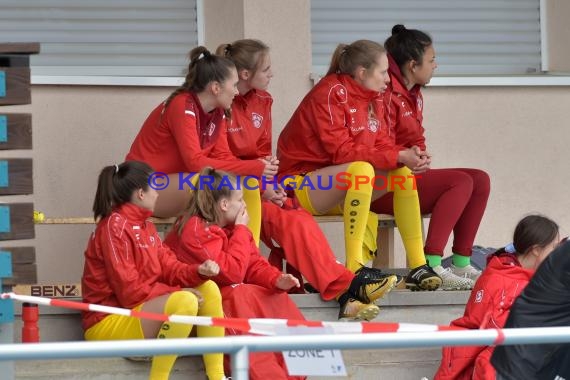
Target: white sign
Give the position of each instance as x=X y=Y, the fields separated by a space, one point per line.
x=313 y=362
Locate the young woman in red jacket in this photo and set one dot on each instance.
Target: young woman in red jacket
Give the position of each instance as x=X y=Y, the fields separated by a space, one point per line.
x=337 y=155
x=288 y=230
x=127 y=266
x=508 y=272
x=214 y=227
x=455 y=198
x=187 y=132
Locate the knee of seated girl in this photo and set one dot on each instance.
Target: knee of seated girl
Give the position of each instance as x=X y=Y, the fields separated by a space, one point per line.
x=210 y=291
x=182 y=302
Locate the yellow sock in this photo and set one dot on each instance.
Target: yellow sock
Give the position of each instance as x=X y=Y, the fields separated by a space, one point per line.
x=182 y=303
x=355 y=213
x=252 y=199
x=408 y=215
x=211 y=307
x=370 y=243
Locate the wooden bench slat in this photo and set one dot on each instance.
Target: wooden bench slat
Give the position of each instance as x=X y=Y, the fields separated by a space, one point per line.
x=21 y=255
x=89 y=220
x=22 y=274
x=24 y=268
x=18 y=131
x=386 y=223
x=21 y=221
x=20 y=48
x=18 y=89
x=19 y=176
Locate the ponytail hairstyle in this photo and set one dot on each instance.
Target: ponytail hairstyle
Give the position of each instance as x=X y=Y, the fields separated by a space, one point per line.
x=116 y=186
x=347 y=58
x=533 y=231
x=246 y=54
x=203 y=69
x=405 y=45
x=213 y=185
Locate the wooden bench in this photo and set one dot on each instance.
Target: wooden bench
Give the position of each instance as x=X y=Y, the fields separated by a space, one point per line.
x=386 y=223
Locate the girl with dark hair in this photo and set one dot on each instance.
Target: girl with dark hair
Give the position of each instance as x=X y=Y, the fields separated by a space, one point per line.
x=288 y=230
x=187 y=132
x=214 y=227
x=455 y=198
x=508 y=272
x=339 y=132
x=127 y=266
x=544 y=303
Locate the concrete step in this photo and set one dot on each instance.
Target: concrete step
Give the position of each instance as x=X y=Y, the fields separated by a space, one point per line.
x=403 y=306
x=362 y=365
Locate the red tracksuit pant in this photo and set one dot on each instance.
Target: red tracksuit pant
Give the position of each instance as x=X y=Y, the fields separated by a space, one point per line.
x=305 y=247
x=456 y=199
x=252 y=301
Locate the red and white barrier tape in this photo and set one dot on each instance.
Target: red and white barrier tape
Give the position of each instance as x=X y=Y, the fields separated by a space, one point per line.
x=260 y=326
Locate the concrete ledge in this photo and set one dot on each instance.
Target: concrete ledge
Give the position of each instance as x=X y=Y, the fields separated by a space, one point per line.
x=187 y=368
x=397 y=297
x=394 y=298
x=398 y=364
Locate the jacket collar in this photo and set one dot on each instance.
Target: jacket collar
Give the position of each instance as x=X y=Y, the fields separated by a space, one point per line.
x=508 y=264
x=355 y=89
x=398 y=83
x=207 y=122
x=243 y=100
x=203 y=116
x=134 y=214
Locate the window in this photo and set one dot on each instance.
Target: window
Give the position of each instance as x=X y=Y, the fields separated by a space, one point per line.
x=483 y=37
x=146 y=38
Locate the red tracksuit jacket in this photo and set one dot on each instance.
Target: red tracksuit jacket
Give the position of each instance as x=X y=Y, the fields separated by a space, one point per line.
x=292 y=228
x=184 y=138
x=249 y=129
x=126 y=264
x=337 y=122
x=488 y=307
x=405 y=110
x=232 y=248
x=241 y=269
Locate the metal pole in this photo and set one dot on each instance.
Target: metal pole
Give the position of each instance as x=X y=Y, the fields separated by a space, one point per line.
x=197 y=346
x=240 y=364
x=6 y=314
x=7 y=336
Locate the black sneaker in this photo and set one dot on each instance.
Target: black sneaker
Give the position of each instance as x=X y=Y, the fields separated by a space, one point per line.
x=310 y=288
x=423 y=278
x=369 y=284
x=375 y=273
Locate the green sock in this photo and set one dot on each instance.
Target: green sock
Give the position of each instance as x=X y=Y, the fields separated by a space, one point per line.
x=433 y=260
x=460 y=261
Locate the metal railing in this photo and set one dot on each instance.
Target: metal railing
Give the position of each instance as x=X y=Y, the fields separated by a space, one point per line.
x=240 y=346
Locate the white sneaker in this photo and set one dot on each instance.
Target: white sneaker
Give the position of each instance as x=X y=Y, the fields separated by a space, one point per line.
x=451 y=281
x=468 y=272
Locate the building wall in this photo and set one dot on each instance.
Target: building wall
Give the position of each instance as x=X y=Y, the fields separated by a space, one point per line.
x=517 y=134
x=558 y=31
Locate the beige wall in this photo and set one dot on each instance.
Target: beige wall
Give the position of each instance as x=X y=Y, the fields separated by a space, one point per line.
x=558 y=31
x=272 y=21
x=519 y=135
x=76 y=131
x=223 y=21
